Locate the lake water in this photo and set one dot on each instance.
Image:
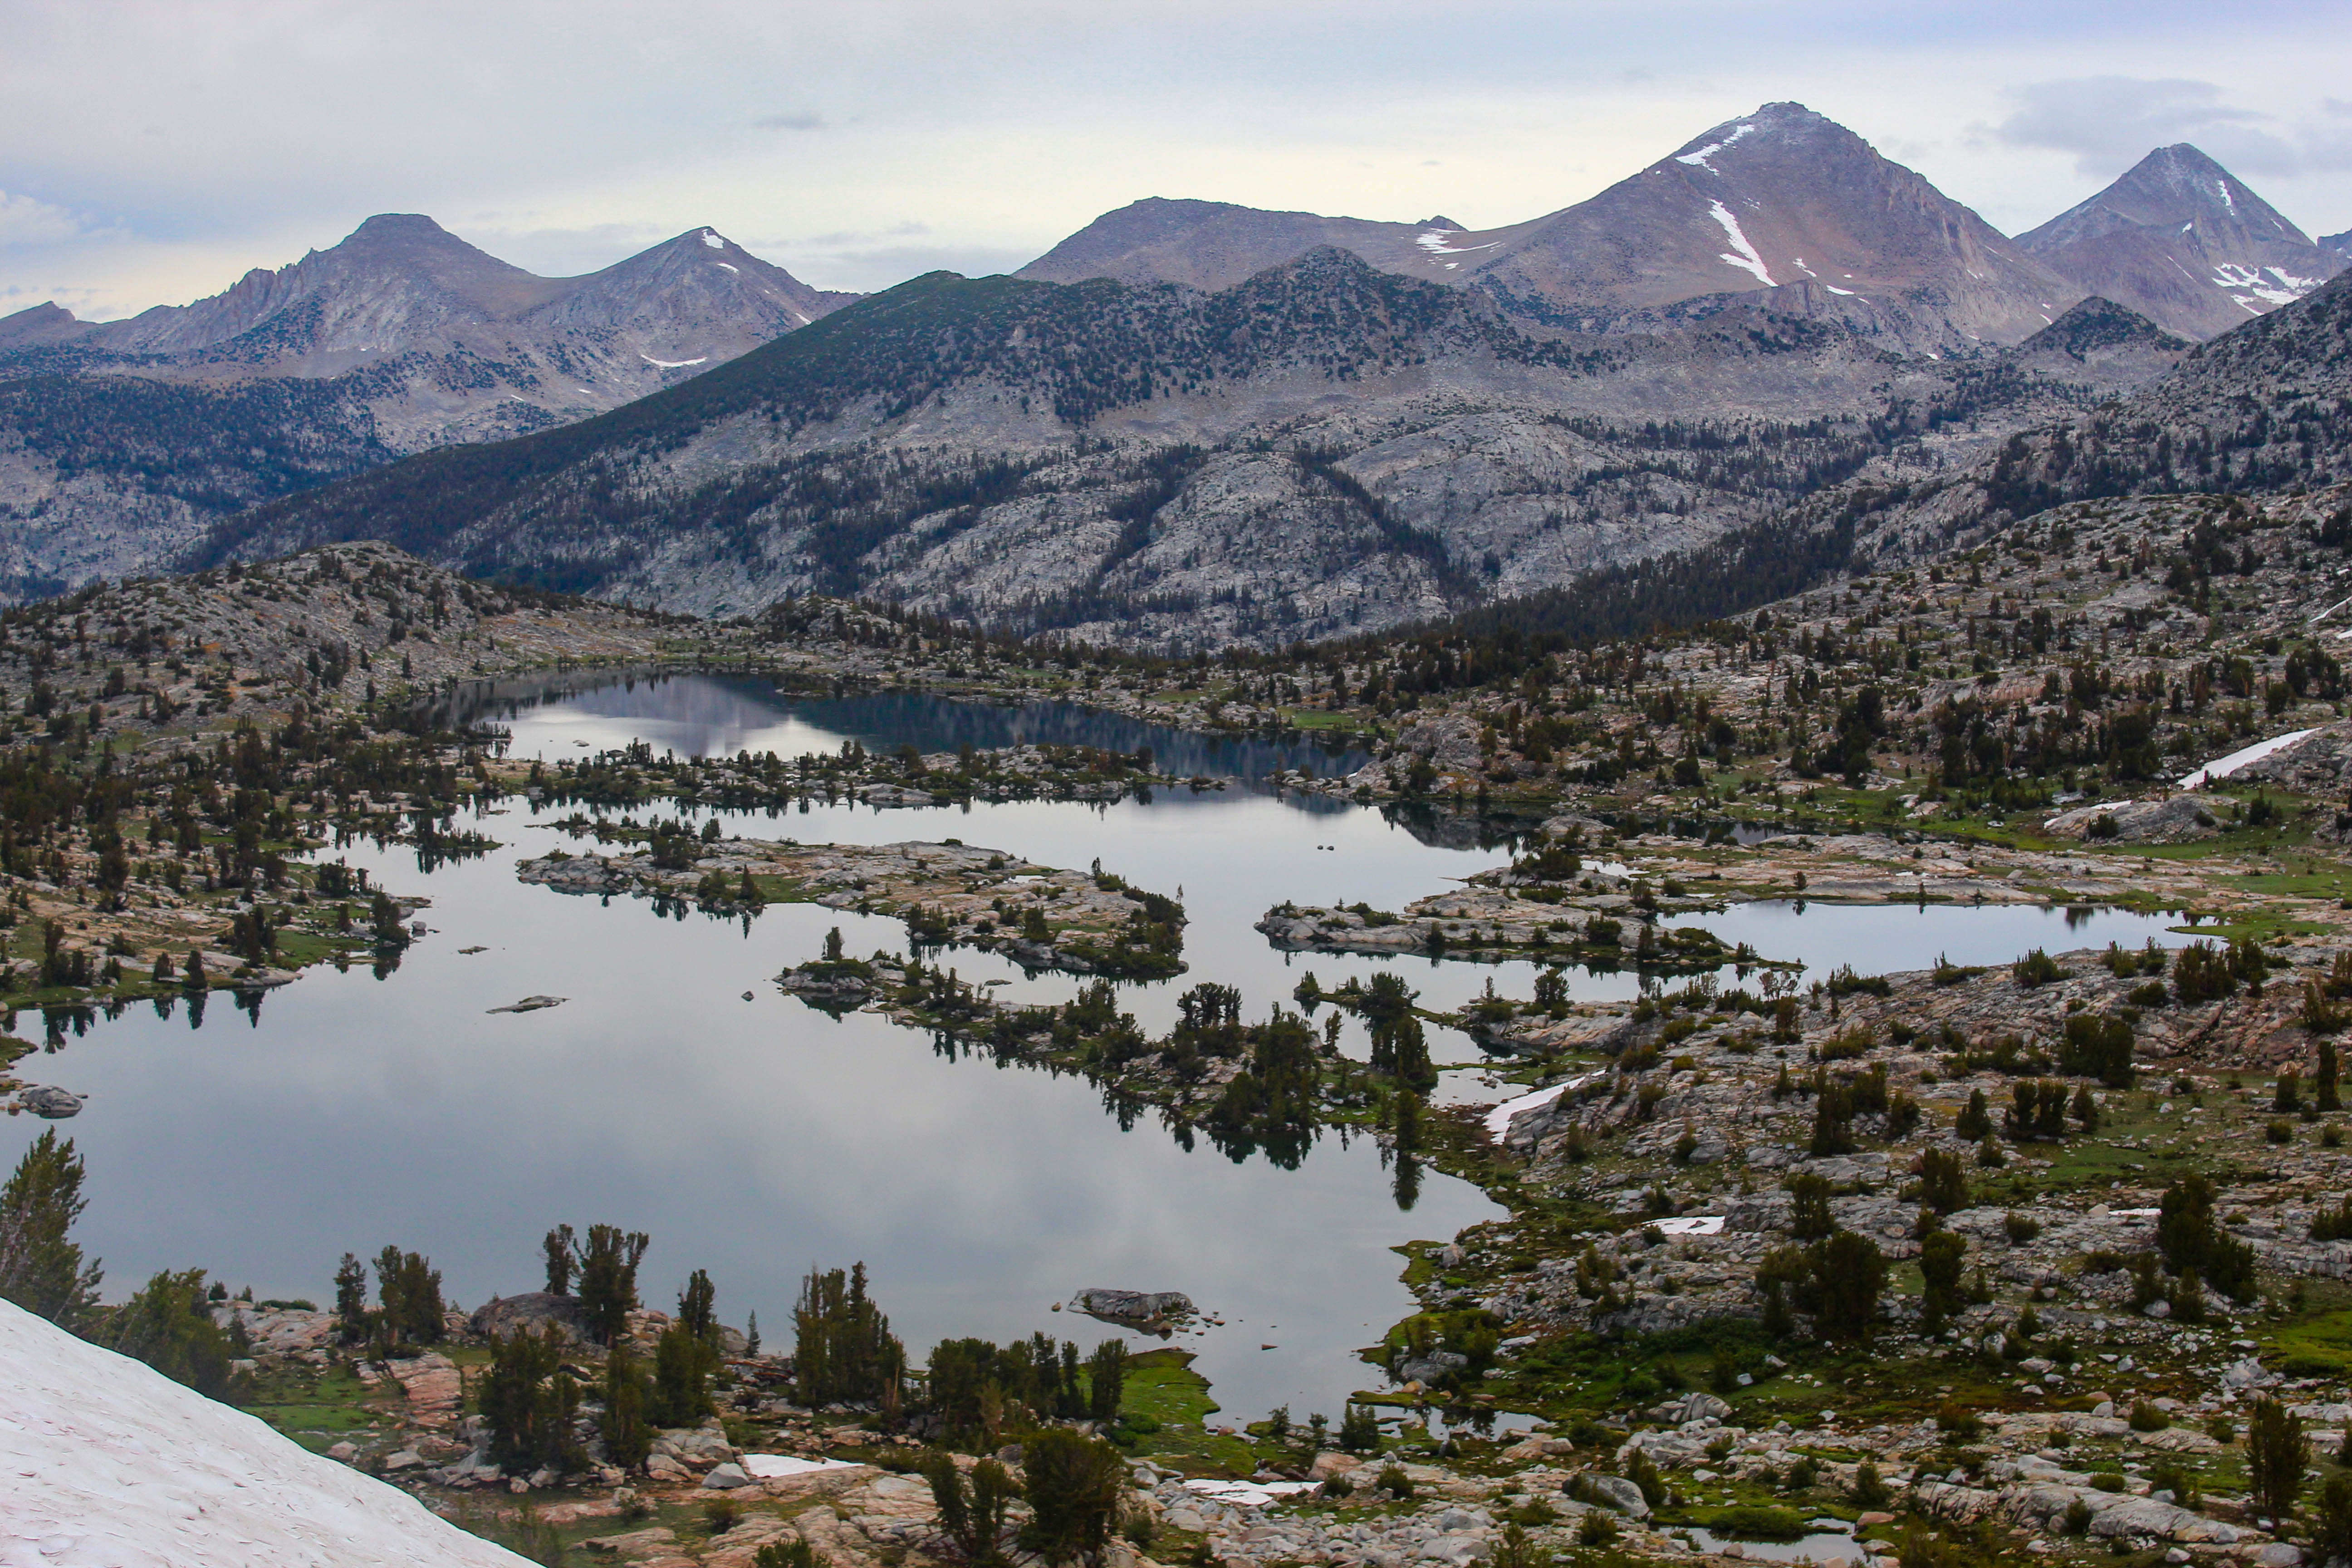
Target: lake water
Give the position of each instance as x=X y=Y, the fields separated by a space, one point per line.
x=754 y=1136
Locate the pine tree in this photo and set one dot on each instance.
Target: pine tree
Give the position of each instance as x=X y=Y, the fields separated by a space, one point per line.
x=350 y=1297
x=41 y=1269
x=627 y=1434
x=2277 y=1454
x=169 y=1326
x=697 y=1308
x=682 y=1366
x=1073 y=1488
x=1105 y=1380
x=529 y=1401
x=608 y=1278
x=408 y=1288
x=558 y=1247
x=845 y=1350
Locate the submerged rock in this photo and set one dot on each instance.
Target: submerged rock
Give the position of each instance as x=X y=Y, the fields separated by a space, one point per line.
x=56 y=1104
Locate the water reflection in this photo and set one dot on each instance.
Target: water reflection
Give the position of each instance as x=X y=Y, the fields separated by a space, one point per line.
x=699 y=715
x=754 y=1136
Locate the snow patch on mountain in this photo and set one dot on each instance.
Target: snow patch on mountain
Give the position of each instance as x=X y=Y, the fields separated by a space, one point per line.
x=672 y=363
x=2279 y=288
x=1699 y=159
x=112 y=1465
x=1439 y=242
x=1748 y=260
x=710 y=237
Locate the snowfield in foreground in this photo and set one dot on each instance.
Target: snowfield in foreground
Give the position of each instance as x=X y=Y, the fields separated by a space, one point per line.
x=105 y=1463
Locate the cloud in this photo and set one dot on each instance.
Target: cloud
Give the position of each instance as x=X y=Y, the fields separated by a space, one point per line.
x=799 y=120
x=28 y=220
x=2110 y=122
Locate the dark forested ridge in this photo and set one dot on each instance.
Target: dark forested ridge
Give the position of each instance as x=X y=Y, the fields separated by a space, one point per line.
x=217 y=448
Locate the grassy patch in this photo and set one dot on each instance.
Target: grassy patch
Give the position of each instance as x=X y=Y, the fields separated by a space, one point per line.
x=318 y=1411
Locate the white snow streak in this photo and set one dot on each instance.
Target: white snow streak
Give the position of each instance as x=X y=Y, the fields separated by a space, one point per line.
x=112 y=1464
x=730 y=267
x=2236 y=760
x=671 y=364
x=1748 y=260
x=1699 y=159
x=1435 y=242
x=2223 y=186
x=1835 y=289
x=2231 y=276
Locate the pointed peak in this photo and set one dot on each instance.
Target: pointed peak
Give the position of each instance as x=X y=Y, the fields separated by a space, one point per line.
x=2184 y=153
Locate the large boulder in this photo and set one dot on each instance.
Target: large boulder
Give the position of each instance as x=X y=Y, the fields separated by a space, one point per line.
x=1616 y=1492
x=2178 y=820
x=531 y=1313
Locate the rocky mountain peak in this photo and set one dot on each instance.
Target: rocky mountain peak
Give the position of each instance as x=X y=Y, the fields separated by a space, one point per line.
x=2177 y=187
x=40 y=325
x=2185 y=242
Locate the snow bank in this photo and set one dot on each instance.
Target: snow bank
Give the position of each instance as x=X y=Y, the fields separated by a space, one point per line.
x=771 y=1467
x=1498 y=1120
x=112 y=1465
x=1248 y=1494
x=2236 y=760
x=1691 y=1225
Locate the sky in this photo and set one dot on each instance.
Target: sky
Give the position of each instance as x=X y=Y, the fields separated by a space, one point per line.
x=152 y=153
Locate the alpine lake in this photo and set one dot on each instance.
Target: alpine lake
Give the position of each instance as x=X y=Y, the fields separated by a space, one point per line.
x=679 y=1091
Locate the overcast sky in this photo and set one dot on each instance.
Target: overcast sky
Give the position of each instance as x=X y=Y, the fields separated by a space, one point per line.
x=152 y=153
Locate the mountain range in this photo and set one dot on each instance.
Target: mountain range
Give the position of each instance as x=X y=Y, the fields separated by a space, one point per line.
x=1189 y=423
x=451 y=343
x=1789 y=211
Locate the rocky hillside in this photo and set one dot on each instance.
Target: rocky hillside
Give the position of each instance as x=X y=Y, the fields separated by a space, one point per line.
x=1324 y=447
x=1782 y=209
x=2265 y=409
x=169 y=659
x=120 y=441
x=2182 y=240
